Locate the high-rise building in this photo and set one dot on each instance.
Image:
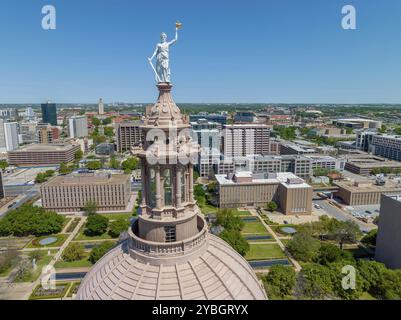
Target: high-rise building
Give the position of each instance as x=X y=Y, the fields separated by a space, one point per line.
x=29 y=114
x=49 y=113
x=78 y=127
x=128 y=134
x=387 y=146
x=101 y=107
x=389 y=235
x=11 y=135
x=241 y=140
x=29 y=132
x=3 y=147
x=47 y=133
x=208 y=137
x=168 y=252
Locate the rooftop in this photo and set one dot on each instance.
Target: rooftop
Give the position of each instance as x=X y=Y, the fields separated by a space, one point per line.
x=286 y=179
x=88 y=178
x=46 y=147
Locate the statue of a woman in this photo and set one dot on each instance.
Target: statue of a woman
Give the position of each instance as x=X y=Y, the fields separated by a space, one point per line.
x=162 y=56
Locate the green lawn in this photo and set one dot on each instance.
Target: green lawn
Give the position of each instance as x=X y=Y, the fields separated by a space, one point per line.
x=255 y=227
x=60 y=240
x=117 y=216
x=6 y=272
x=366 y=296
x=264 y=252
x=207 y=208
x=61 y=264
x=242 y=213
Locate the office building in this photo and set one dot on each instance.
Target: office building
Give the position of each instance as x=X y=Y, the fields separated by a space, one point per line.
x=357 y=123
x=244 y=117
x=43 y=154
x=47 y=134
x=360 y=193
x=128 y=134
x=366 y=164
x=168 y=252
x=389 y=235
x=49 y=113
x=28 y=132
x=207 y=135
x=211 y=117
x=387 y=146
x=78 y=126
x=73 y=192
x=364 y=139
x=244 y=189
x=241 y=140
x=11 y=133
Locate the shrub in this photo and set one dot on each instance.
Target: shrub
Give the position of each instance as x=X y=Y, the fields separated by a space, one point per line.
x=280 y=281
x=236 y=240
x=117 y=227
x=73 y=252
x=303 y=246
x=100 y=251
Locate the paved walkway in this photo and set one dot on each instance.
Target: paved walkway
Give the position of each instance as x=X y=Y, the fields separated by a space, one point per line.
x=277 y=239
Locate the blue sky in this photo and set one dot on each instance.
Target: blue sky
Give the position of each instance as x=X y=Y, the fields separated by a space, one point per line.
x=280 y=51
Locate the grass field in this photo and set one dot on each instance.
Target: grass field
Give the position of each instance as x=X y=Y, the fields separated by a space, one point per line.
x=117 y=216
x=255 y=227
x=61 y=264
x=264 y=252
x=207 y=208
x=242 y=213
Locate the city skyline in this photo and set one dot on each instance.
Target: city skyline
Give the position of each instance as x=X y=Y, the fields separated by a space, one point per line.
x=263 y=53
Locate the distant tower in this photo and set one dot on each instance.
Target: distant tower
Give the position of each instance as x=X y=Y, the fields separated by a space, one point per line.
x=49 y=113
x=101 y=107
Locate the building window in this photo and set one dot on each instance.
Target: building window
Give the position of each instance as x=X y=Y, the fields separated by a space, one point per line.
x=152 y=184
x=170 y=233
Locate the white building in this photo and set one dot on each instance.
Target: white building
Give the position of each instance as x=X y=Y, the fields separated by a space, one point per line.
x=11 y=135
x=101 y=107
x=78 y=126
x=245 y=139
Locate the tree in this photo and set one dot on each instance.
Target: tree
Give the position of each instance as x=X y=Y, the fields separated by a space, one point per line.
x=346 y=232
x=90 y=208
x=130 y=164
x=114 y=163
x=3 y=164
x=44 y=176
x=317 y=281
x=303 y=246
x=272 y=206
x=370 y=238
x=99 y=251
x=235 y=239
x=329 y=253
x=78 y=155
x=65 y=169
x=96 y=122
x=96 y=225
x=29 y=220
x=228 y=220
x=74 y=252
x=107 y=121
x=280 y=281
x=94 y=165
x=109 y=132
x=117 y=227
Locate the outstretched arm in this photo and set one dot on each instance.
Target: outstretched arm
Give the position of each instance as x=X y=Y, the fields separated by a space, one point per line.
x=176 y=37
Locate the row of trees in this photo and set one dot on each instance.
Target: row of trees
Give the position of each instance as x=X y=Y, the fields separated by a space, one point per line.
x=76 y=251
x=44 y=176
x=232 y=225
x=29 y=220
x=385 y=170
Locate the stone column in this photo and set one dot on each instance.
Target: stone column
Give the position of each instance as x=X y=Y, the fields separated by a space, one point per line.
x=191 y=183
x=178 y=194
x=158 y=189
x=144 y=183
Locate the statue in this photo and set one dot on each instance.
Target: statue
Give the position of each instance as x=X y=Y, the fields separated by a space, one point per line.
x=161 y=53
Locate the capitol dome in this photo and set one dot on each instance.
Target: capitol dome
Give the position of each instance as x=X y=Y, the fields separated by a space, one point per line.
x=208 y=270
x=169 y=252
